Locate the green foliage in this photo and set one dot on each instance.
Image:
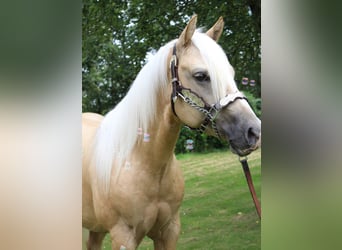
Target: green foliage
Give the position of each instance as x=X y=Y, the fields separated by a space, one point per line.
x=202 y=142
x=118 y=34
x=255 y=102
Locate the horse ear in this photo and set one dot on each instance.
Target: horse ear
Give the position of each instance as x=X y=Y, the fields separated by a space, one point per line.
x=216 y=31
x=185 y=37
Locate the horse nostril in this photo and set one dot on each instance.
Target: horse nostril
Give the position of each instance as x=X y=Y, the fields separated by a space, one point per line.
x=252 y=136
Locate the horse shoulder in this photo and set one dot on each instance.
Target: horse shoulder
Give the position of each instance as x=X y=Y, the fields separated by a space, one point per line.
x=172 y=189
x=175 y=183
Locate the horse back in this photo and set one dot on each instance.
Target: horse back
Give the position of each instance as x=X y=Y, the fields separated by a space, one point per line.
x=90 y=124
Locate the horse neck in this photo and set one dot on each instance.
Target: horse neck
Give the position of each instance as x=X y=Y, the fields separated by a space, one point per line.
x=156 y=146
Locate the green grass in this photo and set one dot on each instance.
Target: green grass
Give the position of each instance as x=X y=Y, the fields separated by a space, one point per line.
x=217 y=211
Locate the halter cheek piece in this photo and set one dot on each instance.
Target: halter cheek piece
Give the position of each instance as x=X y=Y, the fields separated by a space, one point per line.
x=196 y=101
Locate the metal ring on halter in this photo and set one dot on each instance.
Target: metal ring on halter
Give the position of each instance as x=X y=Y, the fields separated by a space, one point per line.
x=243 y=158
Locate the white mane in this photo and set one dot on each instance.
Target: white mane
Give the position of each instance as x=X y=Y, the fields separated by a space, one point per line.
x=117 y=133
x=220 y=71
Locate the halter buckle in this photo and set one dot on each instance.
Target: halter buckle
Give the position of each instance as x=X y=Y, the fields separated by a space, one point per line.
x=174 y=99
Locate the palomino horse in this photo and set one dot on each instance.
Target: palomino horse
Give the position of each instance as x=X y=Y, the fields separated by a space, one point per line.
x=132 y=183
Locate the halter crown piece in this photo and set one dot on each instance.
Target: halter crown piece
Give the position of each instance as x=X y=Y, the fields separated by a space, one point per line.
x=196 y=101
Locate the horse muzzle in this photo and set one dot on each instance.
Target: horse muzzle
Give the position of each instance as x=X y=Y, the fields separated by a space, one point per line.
x=243 y=150
x=241 y=129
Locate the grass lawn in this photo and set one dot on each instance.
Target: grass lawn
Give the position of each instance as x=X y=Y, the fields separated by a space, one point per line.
x=218 y=211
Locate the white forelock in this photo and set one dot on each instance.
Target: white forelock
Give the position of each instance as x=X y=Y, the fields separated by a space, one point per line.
x=220 y=71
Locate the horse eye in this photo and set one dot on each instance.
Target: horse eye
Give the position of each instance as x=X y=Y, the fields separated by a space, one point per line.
x=201 y=77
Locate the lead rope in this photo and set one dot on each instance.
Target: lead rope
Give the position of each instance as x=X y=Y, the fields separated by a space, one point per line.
x=245 y=167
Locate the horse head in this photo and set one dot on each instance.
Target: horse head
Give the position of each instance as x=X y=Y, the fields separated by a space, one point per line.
x=204 y=93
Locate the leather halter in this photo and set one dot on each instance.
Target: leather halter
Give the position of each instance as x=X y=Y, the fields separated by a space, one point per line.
x=196 y=101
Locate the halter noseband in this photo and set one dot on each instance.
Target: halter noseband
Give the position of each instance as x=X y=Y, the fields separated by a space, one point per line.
x=196 y=101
